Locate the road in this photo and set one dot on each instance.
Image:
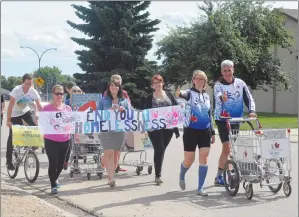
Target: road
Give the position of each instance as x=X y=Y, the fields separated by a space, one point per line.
x=136 y=196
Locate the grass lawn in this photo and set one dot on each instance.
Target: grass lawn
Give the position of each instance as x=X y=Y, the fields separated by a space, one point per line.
x=275 y=121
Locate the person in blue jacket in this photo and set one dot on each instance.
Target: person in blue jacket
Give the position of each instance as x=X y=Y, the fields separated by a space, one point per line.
x=230 y=93
x=198 y=129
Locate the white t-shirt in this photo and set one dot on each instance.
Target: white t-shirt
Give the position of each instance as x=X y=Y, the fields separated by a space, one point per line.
x=23 y=100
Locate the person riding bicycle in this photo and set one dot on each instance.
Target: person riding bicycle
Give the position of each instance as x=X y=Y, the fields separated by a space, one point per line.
x=229 y=93
x=19 y=110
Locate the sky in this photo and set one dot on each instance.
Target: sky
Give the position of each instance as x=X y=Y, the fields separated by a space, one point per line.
x=42 y=25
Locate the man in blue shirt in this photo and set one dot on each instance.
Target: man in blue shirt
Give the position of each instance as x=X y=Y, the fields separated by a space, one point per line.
x=229 y=93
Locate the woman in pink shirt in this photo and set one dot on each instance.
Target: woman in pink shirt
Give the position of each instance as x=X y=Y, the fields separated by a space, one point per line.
x=56 y=145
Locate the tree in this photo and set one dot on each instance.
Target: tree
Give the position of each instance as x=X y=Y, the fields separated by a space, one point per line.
x=244 y=32
x=51 y=76
x=11 y=82
x=119 y=38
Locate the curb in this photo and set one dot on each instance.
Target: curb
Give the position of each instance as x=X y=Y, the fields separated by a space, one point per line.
x=8 y=186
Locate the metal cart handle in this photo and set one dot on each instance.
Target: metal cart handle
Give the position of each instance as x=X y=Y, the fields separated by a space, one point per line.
x=243 y=120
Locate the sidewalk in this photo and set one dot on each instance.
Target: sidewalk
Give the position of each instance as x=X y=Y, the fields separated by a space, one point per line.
x=18 y=203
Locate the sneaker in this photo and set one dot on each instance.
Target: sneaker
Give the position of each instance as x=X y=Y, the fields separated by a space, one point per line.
x=112 y=183
x=122 y=169
x=219 y=181
x=202 y=193
x=54 y=190
x=57 y=184
x=158 y=180
x=182 y=184
x=10 y=166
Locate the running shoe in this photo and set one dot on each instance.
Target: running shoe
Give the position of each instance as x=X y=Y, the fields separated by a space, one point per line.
x=219 y=181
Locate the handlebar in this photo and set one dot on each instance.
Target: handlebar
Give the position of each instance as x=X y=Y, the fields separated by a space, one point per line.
x=244 y=119
x=247 y=120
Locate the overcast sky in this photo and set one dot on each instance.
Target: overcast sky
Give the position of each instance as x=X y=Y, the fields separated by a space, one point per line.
x=42 y=25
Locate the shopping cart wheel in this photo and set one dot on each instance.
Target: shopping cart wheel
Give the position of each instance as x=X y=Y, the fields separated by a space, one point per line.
x=72 y=174
x=244 y=185
x=138 y=171
x=249 y=191
x=88 y=176
x=100 y=175
x=231 y=178
x=276 y=188
x=150 y=170
x=287 y=189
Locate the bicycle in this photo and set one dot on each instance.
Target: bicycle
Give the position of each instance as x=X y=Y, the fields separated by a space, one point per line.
x=19 y=158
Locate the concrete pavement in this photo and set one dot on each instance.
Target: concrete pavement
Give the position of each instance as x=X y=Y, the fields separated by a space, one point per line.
x=139 y=196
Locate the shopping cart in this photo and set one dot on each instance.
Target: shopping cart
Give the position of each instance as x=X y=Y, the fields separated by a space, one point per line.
x=90 y=151
x=138 y=138
x=258 y=156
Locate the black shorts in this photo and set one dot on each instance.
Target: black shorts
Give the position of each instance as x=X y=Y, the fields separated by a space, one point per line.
x=223 y=131
x=193 y=137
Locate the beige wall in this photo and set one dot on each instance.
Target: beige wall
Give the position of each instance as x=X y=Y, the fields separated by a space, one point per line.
x=286 y=101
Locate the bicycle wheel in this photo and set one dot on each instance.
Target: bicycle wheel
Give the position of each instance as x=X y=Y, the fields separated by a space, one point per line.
x=30 y=162
x=15 y=161
x=231 y=178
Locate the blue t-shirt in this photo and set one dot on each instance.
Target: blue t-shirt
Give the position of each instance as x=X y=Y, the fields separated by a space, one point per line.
x=198 y=109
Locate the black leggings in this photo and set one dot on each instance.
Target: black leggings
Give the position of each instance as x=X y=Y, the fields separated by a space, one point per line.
x=28 y=117
x=160 y=140
x=56 y=152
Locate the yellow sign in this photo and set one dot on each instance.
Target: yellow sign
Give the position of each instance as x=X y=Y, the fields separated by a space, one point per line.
x=39 y=81
x=27 y=136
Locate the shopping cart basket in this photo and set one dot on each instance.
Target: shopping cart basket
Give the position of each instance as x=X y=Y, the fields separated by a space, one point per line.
x=258 y=156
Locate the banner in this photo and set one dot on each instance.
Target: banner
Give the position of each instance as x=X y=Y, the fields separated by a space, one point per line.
x=86 y=102
x=27 y=136
x=83 y=102
x=100 y=121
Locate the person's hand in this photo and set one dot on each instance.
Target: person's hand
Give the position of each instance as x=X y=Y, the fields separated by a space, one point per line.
x=224 y=96
x=213 y=139
x=252 y=115
x=9 y=124
x=177 y=93
x=121 y=108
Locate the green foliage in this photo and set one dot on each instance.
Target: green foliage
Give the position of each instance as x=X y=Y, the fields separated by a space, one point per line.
x=242 y=31
x=51 y=76
x=10 y=82
x=119 y=38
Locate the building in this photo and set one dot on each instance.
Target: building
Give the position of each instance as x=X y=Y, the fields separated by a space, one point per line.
x=276 y=101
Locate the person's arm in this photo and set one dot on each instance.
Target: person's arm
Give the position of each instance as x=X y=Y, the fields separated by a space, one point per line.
x=147 y=102
x=185 y=94
x=9 y=109
x=172 y=98
x=217 y=100
x=248 y=99
x=2 y=104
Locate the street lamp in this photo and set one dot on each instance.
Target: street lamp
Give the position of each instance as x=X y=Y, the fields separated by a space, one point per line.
x=39 y=56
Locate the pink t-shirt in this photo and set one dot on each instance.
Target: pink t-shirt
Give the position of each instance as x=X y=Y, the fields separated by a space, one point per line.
x=57 y=137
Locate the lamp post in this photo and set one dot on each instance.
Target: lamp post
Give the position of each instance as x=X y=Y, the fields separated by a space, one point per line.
x=39 y=56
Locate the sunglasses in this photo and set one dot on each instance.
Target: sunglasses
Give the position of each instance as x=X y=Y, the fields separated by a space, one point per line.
x=77 y=91
x=199 y=79
x=59 y=94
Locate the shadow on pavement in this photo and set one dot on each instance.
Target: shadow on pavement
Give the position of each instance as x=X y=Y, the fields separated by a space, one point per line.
x=215 y=200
